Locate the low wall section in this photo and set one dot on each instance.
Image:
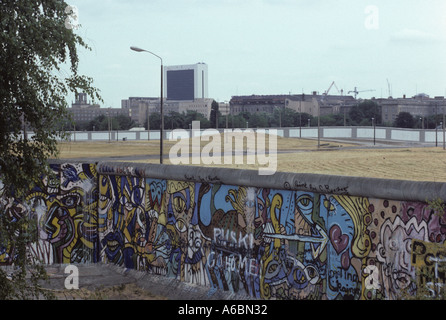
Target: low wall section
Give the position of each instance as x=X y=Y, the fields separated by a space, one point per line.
x=285 y=236
x=380 y=133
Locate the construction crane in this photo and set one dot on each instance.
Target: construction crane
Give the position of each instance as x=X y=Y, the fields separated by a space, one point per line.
x=331 y=85
x=389 y=88
x=355 y=91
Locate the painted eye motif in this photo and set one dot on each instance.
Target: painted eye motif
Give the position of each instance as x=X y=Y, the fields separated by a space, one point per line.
x=70 y=201
x=393 y=245
x=137 y=195
x=260 y=204
x=179 y=204
x=249 y=203
x=305 y=204
x=180 y=226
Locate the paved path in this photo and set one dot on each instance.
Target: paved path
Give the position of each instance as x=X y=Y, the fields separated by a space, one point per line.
x=100 y=276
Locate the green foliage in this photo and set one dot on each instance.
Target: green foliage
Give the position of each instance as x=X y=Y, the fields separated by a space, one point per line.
x=286 y=118
x=24 y=279
x=35 y=44
x=438 y=205
x=175 y=120
x=404 y=120
x=101 y=123
x=215 y=114
x=35 y=50
x=363 y=113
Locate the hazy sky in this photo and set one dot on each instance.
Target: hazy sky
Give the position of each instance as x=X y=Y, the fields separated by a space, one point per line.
x=267 y=46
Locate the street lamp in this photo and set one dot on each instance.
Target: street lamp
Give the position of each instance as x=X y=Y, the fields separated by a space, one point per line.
x=436 y=126
x=374 y=130
x=161 y=100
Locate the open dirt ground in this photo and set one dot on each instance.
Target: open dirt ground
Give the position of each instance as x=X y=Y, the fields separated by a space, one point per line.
x=293 y=155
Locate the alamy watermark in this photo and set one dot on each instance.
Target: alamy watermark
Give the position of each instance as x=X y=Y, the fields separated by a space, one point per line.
x=228 y=149
x=371 y=21
x=72 y=280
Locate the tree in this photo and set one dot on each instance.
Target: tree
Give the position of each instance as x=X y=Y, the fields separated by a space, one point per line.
x=124 y=122
x=99 y=123
x=215 y=114
x=190 y=116
x=258 y=120
x=404 y=120
x=35 y=44
x=174 y=120
x=364 y=112
x=155 y=121
x=288 y=117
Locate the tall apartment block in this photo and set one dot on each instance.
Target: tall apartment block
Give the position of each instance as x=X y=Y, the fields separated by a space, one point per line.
x=186 y=82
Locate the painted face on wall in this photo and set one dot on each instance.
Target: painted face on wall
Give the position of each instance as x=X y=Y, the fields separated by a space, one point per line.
x=112 y=244
x=394 y=251
x=250 y=209
x=109 y=219
x=261 y=218
x=60 y=226
x=155 y=194
x=179 y=208
x=106 y=200
x=302 y=214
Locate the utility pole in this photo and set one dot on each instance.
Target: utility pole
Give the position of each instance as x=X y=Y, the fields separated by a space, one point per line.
x=148 y=122
x=108 y=123
x=436 y=126
x=444 y=126
x=300 y=119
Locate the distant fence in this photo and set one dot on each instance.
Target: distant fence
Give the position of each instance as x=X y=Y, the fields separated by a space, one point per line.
x=379 y=133
x=285 y=236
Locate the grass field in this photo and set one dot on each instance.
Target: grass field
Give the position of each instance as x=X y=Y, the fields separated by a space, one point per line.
x=296 y=155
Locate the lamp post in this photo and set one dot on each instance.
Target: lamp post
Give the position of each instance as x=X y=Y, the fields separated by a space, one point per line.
x=374 y=130
x=108 y=122
x=161 y=100
x=436 y=126
x=148 y=122
x=300 y=120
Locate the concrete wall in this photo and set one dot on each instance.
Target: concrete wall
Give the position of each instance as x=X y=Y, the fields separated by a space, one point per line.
x=381 y=133
x=291 y=236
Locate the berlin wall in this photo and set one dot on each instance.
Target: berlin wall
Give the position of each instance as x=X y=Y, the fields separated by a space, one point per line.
x=285 y=236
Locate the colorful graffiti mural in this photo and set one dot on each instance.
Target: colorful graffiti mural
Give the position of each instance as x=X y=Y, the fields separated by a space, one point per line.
x=64 y=207
x=262 y=242
x=269 y=244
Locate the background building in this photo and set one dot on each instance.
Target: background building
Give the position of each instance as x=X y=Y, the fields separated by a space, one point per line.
x=420 y=105
x=325 y=104
x=302 y=103
x=137 y=108
x=224 y=108
x=186 y=82
x=83 y=111
x=256 y=103
x=202 y=106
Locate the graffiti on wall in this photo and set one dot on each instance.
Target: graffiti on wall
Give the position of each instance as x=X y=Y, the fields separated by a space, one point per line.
x=64 y=207
x=429 y=260
x=269 y=244
x=261 y=242
x=394 y=228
